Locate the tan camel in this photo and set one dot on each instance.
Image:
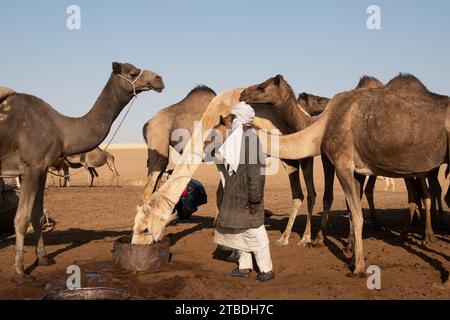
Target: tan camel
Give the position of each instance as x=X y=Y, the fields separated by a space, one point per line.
x=94 y=159
x=362 y=131
x=157 y=133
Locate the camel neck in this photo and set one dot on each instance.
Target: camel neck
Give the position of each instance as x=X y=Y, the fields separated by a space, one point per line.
x=295 y=118
x=85 y=133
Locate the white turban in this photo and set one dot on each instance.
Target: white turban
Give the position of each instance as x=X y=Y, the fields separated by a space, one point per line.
x=231 y=149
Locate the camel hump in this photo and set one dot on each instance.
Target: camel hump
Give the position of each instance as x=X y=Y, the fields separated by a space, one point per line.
x=202 y=88
x=5 y=92
x=407 y=81
x=368 y=82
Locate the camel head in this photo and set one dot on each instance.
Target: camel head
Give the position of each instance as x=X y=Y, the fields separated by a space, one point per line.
x=151 y=220
x=132 y=78
x=312 y=104
x=271 y=91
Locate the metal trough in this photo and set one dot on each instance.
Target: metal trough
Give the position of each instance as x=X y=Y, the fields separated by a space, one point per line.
x=137 y=257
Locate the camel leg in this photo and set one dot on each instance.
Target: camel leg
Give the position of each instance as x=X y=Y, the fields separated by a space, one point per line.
x=297 y=198
x=157 y=162
x=308 y=174
x=95 y=175
x=413 y=199
x=112 y=167
x=369 y=196
x=92 y=174
x=426 y=198
x=436 y=197
x=66 y=176
x=328 y=170
x=36 y=218
x=32 y=179
x=360 y=180
x=351 y=190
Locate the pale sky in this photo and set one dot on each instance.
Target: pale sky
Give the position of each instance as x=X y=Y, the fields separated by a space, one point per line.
x=321 y=47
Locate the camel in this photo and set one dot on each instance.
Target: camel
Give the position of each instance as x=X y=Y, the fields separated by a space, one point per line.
x=362 y=131
x=47 y=135
x=61 y=169
x=91 y=160
x=158 y=130
x=313 y=105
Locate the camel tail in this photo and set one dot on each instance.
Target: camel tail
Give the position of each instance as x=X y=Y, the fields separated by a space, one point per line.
x=300 y=145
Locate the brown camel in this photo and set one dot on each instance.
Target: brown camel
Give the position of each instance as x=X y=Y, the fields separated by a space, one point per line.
x=94 y=159
x=415 y=188
x=313 y=105
x=158 y=130
x=47 y=135
x=362 y=131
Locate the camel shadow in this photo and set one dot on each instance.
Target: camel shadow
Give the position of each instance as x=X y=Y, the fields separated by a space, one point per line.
x=391 y=222
x=201 y=222
x=72 y=238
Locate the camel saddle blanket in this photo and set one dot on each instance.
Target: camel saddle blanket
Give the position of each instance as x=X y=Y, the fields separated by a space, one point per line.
x=5 y=92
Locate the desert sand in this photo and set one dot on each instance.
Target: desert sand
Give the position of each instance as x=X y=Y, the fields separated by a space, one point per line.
x=89 y=220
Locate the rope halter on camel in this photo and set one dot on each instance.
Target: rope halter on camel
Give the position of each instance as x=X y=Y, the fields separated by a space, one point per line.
x=306 y=112
x=133 y=83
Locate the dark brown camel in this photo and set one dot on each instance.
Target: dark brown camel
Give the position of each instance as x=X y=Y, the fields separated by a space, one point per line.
x=47 y=135
x=362 y=131
x=94 y=159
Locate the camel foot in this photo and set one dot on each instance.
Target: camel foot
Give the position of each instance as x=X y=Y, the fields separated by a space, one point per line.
x=45 y=261
x=21 y=278
x=282 y=242
x=306 y=243
x=430 y=239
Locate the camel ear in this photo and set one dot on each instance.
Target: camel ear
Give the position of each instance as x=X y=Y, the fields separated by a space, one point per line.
x=117 y=67
x=278 y=79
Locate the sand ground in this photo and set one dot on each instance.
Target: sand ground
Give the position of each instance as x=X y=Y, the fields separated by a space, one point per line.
x=91 y=219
